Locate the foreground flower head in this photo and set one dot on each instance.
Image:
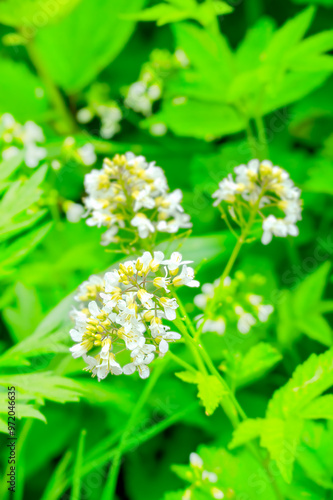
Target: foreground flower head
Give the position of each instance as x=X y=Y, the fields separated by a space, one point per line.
x=15 y=137
x=237 y=304
x=120 y=320
x=267 y=189
x=132 y=195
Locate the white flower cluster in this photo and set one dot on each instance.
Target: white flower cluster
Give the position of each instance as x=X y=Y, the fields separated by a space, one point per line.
x=268 y=186
x=131 y=194
x=239 y=307
x=142 y=94
x=121 y=315
x=203 y=481
x=15 y=137
x=110 y=115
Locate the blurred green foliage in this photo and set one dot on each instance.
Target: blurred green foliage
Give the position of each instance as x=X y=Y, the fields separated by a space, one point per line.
x=235 y=81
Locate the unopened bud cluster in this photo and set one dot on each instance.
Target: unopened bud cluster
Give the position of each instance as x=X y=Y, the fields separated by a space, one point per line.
x=132 y=195
x=233 y=304
x=270 y=190
x=120 y=318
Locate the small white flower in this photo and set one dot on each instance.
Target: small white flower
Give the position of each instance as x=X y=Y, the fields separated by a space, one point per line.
x=196 y=460
x=145 y=227
x=186 y=278
x=170 y=306
x=175 y=261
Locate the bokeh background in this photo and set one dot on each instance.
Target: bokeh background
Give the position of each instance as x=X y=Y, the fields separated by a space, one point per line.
x=187 y=84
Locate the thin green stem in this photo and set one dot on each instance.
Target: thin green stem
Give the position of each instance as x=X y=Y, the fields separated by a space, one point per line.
x=181 y=362
x=262 y=139
x=111 y=483
x=252 y=141
x=75 y=493
x=52 y=90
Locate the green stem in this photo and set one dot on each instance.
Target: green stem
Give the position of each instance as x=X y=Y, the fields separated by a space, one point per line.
x=252 y=142
x=52 y=90
x=263 y=152
x=111 y=483
x=181 y=362
x=76 y=489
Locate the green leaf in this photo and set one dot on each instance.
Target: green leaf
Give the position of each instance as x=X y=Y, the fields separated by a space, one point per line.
x=188 y=376
x=209 y=54
x=312 y=46
x=20 y=196
x=321 y=407
x=7 y=167
x=281 y=438
x=288 y=36
x=21 y=92
x=162 y=13
x=301 y=311
x=44 y=385
x=29 y=14
x=61 y=53
x=21 y=410
x=309 y=380
x=320 y=178
x=255 y=363
x=203 y=120
x=248 y=55
x=246 y=431
x=309 y=293
x=211 y=392
x=18 y=250
x=316 y=327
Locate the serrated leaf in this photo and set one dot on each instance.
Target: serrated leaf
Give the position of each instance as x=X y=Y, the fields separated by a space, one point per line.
x=20 y=196
x=44 y=385
x=188 y=376
x=18 y=250
x=211 y=392
x=246 y=431
x=309 y=381
x=255 y=363
x=309 y=292
x=321 y=407
x=316 y=327
x=287 y=36
x=281 y=438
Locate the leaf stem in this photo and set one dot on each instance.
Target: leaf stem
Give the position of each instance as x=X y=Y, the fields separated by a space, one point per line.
x=111 y=483
x=52 y=90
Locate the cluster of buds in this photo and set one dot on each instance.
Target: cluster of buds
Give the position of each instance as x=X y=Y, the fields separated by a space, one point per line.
x=267 y=189
x=132 y=195
x=232 y=304
x=204 y=483
x=16 y=138
x=120 y=317
x=101 y=106
x=80 y=153
x=142 y=94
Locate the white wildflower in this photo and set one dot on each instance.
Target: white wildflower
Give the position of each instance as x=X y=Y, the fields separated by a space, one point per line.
x=128 y=192
x=268 y=188
x=124 y=311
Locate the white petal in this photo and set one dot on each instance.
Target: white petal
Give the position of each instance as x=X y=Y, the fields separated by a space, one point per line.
x=129 y=369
